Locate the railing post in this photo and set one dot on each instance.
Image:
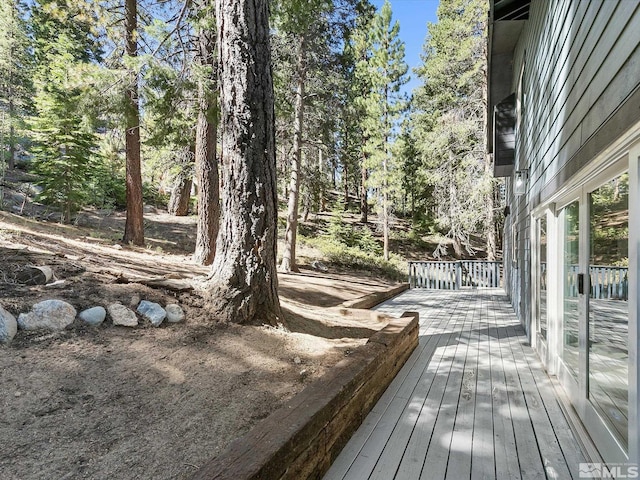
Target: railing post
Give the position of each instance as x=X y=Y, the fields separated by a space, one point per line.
x=458 y=275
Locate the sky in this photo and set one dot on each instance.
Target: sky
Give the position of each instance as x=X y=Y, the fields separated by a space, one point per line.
x=413 y=16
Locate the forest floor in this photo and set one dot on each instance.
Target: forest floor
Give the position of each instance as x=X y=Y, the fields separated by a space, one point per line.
x=150 y=403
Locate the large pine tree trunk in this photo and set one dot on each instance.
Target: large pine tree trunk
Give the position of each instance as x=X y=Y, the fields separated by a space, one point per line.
x=289 y=255
x=244 y=286
x=206 y=161
x=134 y=223
x=181 y=194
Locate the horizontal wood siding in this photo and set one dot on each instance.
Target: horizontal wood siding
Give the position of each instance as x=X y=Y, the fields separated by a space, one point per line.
x=581 y=62
x=581 y=72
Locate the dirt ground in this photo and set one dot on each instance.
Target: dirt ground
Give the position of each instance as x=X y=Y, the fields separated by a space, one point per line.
x=149 y=403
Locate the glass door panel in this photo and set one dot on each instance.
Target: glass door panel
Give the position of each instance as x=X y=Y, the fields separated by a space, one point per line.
x=542 y=277
x=570 y=241
x=608 y=305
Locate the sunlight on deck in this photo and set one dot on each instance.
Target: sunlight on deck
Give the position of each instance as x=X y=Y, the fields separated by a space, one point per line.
x=471 y=402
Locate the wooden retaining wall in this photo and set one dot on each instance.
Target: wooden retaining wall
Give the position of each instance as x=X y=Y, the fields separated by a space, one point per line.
x=301 y=439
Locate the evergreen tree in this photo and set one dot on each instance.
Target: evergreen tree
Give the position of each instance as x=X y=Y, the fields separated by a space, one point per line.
x=64 y=140
x=244 y=287
x=134 y=223
x=206 y=129
x=450 y=119
x=16 y=87
x=64 y=49
x=384 y=105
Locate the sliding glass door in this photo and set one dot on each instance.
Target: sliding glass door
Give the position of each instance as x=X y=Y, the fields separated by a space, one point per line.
x=588 y=327
x=570 y=228
x=608 y=357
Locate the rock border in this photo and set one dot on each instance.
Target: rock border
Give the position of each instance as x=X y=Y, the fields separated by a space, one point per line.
x=303 y=438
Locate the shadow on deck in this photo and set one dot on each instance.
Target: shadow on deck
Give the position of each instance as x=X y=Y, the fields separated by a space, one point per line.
x=471 y=402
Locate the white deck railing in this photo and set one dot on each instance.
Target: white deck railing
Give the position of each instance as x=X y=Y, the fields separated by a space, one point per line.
x=605 y=281
x=455 y=275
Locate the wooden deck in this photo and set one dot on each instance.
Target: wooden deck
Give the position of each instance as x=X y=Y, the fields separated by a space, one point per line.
x=472 y=402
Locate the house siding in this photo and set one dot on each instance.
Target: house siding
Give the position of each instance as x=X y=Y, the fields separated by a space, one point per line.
x=581 y=83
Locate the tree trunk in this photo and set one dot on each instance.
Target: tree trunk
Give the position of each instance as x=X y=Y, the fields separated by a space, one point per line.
x=321 y=172
x=345 y=172
x=289 y=255
x=206 y=161
x=385 y=211
x=181 y=194
x=364 y=198
x=244 y=288
x=489 y=227
x=134 y=223
x=12 y=133
x=458 y=249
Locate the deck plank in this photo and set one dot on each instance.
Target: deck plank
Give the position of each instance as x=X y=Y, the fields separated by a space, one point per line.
x=483 y=466
x=459 y=463
x=472 y=402
x=505 y=451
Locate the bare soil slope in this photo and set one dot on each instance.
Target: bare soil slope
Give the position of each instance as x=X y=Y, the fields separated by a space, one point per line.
x=148 y=403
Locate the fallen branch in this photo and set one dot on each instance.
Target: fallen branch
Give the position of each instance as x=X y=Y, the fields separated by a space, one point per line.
x=175 y=284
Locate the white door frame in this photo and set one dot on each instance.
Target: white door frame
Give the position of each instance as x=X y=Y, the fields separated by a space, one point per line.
x=622 y=156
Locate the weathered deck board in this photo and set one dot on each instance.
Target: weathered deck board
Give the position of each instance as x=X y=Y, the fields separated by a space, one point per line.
x=472 y=402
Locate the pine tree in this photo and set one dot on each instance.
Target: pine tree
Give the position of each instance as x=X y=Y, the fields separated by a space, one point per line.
x=306 y=31
x=206 y=155
x=16 y=87
x=244 y=286
x=384 y=104
x=64 y=49
x=450 y=119
x=64 y=141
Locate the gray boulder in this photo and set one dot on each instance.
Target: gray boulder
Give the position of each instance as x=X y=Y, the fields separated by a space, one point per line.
x=121 y=315
x=8 y=326
x=175 y=313
x=93 y=316
x=48 y=315
x=152 y=312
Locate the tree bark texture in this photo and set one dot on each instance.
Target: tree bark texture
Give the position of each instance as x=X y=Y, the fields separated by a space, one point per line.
x=181 y=194
x=206 y=161
x=289 y=255
x=489 y=226
x=364 y=197
x=12 y=135
x=385 y=211
x=134 y=223
x=244 y=285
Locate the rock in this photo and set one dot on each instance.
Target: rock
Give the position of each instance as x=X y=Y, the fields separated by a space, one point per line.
x=121 y=315
x=152 y=312
x=8 y=326
x=318 y=265
x=48 y=315
x=93 y=316
x=149 y=209
x=135 y=300
x=175 y=313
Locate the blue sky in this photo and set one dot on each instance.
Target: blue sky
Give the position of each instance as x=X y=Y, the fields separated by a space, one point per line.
x=413 y=16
